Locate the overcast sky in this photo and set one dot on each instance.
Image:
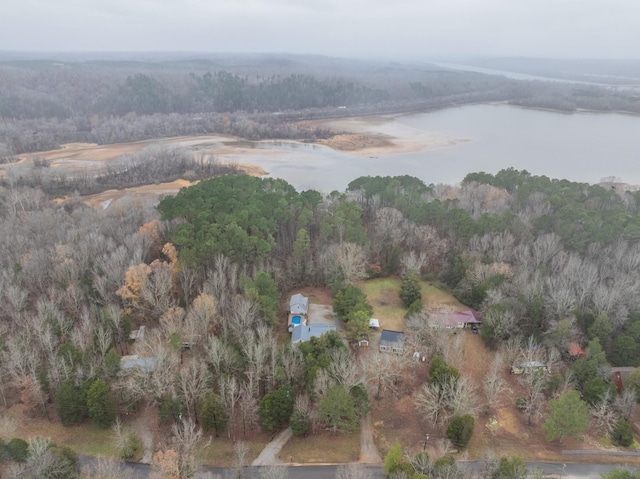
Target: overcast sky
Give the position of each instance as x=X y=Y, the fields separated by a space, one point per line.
x=403 y=29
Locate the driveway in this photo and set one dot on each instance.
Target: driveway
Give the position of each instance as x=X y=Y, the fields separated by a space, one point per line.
x=322 y=313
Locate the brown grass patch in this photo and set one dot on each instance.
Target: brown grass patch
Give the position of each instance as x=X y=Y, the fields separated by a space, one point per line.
x=86 y=438
x=398 y=421
x=324 y=447
x=220 y=452
x=382 y=294
x=436 y=298
x=356 y=141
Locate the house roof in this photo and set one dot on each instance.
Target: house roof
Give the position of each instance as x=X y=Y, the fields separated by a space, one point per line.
x=298 y=304
x=305 y=333
x=575 y=350
x=146 y=364
x=454 y=319
x=391 y=337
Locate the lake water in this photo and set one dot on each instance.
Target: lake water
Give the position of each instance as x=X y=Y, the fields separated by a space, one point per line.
x=582 y=147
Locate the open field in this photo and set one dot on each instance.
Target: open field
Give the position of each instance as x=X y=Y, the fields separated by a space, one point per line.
x=324 y=447
x=436 y=298
x=86 y=438
x=382 y=294
x=220 y=452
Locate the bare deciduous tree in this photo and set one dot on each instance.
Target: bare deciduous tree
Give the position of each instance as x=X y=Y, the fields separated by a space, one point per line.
x=201 y=316
x=432 y=402
x=192 y=385
x=240 y=456
x=106 y=468
x=603 y=413
x=493 y=385
x=343 y=369
x=626 y=402
x=385 y=370
x=534 y=383
x=187 y=438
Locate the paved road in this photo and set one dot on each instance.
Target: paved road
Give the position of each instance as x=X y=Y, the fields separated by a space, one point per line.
x=551 y=469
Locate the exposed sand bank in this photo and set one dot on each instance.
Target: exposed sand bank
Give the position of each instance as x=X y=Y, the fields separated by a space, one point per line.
x=358 y=137
x=380 y=135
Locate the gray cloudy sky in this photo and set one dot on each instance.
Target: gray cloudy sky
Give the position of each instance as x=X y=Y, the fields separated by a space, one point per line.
x=404 y=29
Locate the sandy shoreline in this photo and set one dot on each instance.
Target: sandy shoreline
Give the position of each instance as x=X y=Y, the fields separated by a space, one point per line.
x=359 y=137
x=380 y=135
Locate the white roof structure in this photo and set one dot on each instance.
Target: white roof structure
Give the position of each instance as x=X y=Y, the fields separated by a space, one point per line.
x=298 y=304
x=374 y=323
x=305 y=333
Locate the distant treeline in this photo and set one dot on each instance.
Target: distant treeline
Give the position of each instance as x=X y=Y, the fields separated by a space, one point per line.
x=44 y=104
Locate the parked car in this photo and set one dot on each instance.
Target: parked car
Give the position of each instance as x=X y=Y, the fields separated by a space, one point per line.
x=474 y=328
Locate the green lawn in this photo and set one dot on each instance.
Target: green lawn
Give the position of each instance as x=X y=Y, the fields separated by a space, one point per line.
x=382 y=293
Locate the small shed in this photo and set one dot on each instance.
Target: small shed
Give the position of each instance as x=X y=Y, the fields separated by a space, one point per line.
x=619 y=375
x=137 y=333
x=392 y=341
x=374 y=323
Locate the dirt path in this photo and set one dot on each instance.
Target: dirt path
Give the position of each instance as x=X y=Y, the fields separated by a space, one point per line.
x=143 y=427
x=269 y=455
x=368 y=450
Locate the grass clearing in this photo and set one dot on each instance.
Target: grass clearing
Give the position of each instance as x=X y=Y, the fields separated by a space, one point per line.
x=86 y=438
x=382 y=293
x=221 y=450
x=325 y=447
x=436 y=298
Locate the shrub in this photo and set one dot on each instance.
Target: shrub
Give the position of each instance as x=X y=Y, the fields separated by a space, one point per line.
x=460 y=430
x=71 y=403
x=276 y=408
x=360 y=397
x=213 y=414
x=18 y=449
x=410 y=289
x=131 y=449
x=622 y=434
x=414 y=308
x=100 y=404
x=170 y=408
x=300 y=423
x=393 y=458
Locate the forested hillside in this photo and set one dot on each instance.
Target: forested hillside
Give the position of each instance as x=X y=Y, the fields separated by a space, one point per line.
x=205 y=272
x=49 y=102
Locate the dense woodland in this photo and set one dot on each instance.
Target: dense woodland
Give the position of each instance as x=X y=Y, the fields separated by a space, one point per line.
x=44 y=103
x=548 y=262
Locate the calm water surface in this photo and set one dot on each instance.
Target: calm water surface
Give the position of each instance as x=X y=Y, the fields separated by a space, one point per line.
x=580 y=146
